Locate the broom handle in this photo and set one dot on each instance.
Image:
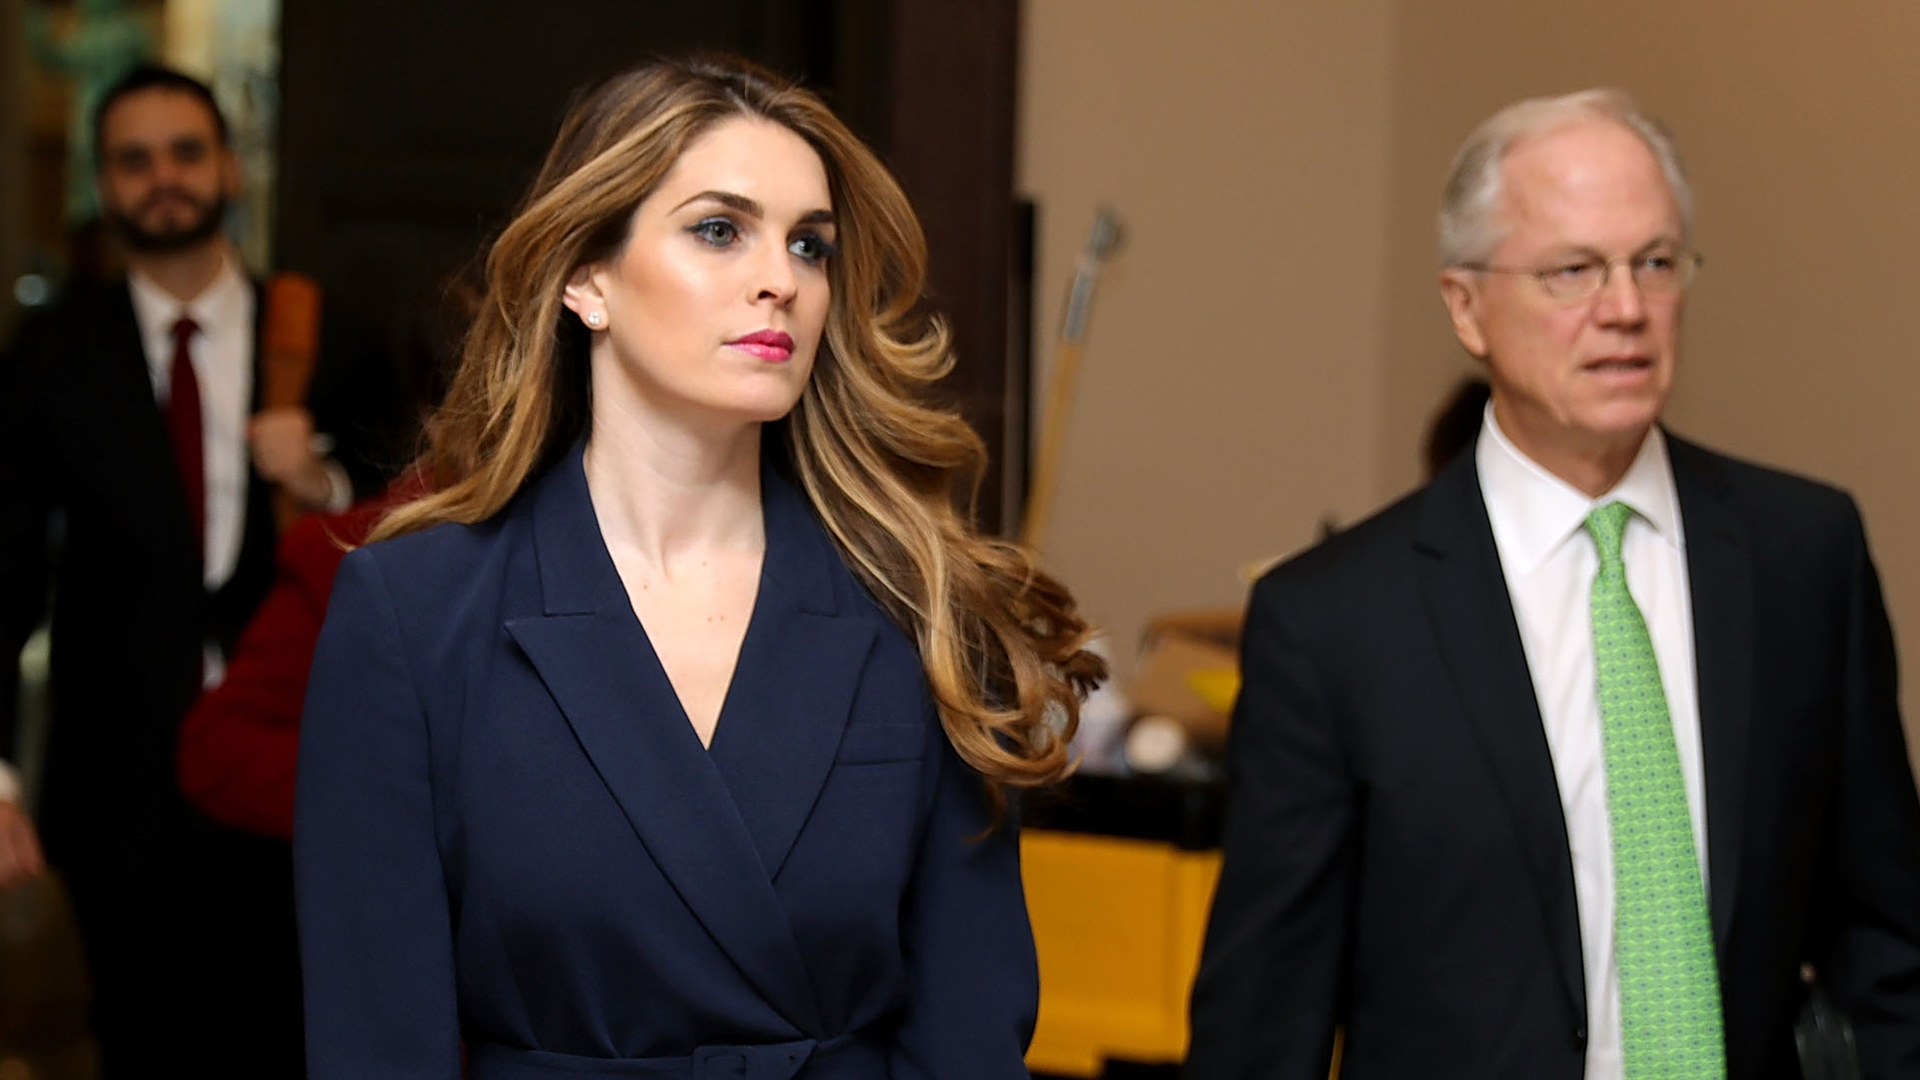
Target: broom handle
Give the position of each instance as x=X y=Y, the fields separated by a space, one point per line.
x=1053 y=437
x=289 y=345
x=1060 y=384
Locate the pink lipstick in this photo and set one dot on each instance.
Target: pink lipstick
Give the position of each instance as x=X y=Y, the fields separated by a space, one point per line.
x=771 y=345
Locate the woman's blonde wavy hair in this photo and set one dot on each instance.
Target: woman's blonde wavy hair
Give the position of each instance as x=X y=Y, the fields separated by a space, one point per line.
x=1001 y=642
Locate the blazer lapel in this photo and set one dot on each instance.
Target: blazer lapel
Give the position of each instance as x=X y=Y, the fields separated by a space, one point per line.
x=123 y=387
x=258 y=363
x=794 y=683
x=1473 y=622
x=595 y=660
x=1720 y=578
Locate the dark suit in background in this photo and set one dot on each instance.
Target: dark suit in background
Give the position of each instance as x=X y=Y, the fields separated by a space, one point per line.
x=187 y=925
x=1397 y=860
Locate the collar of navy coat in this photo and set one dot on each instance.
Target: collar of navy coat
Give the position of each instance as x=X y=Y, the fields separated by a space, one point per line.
x=718 y=822
x=1479 y=639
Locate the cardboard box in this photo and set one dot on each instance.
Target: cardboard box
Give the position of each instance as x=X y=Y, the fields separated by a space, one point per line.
x=1189 y=671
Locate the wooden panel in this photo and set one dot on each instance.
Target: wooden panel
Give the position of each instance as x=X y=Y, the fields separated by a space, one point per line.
x=949 y=137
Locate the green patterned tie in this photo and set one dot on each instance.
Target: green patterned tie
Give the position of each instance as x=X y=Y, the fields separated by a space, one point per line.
x=1669 y=986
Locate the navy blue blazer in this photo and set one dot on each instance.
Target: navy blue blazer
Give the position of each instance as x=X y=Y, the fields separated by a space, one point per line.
x=509 y=840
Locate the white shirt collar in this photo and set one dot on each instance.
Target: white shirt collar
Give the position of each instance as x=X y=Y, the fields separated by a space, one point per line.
x=1533 y=511
x=219 y=304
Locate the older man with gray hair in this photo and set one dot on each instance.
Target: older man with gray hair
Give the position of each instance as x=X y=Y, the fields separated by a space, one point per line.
x=1575 y=761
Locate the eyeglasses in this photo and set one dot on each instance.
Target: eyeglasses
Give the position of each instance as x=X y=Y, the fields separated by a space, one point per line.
x=1659 y=272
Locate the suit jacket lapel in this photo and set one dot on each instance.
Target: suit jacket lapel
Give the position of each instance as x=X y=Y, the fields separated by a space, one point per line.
x=595 y=660
x=257 y=363
x=145 y=471
x=1473 y=621
x=794 y=684
x=1720 y=578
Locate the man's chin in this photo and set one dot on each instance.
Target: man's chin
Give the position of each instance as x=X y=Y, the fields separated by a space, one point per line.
x=167 y=240
x=1632 y=417
x=165 y=243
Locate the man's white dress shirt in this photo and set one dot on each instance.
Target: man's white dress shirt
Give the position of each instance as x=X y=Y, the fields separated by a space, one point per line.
x=1549 y=562
x=222 y=354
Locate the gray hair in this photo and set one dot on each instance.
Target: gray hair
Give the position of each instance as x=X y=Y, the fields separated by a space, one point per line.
x=1468 y=230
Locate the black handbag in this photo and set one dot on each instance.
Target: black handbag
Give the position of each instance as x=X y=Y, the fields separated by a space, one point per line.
x=1824 y=1038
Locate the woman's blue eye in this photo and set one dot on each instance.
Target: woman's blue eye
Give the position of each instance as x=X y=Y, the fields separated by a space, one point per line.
x=716 y=231
x=812 y=248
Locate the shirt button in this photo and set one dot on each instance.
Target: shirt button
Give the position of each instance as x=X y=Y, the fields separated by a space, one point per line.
x=1580 y=1038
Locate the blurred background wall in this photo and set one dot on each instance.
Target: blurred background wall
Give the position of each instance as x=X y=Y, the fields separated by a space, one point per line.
x=1230 y=394
x=1267 y=347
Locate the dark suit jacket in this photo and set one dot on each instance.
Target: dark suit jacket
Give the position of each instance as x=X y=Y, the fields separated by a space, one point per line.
x=1396 y=858
x=83 y=442
x=506 y=832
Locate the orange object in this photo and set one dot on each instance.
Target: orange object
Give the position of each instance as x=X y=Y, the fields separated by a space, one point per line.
x=1118 y=925
x=289 y=347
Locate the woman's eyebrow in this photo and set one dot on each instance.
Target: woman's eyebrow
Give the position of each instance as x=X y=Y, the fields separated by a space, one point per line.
x=729 y=200
x=752 y=207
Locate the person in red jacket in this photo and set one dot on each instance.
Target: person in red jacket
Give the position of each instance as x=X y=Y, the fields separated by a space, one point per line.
x=238 y=743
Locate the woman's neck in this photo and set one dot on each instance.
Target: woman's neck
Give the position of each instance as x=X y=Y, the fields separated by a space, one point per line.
x=664 y=494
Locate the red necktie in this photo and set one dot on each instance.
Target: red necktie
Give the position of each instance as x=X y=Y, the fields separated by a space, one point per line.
x=183 y=427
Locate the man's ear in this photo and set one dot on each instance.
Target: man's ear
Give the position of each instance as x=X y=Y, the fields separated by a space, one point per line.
x=1461 y=291
x=582 y=295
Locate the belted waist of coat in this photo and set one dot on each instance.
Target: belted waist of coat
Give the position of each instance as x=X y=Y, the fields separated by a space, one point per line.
x=846 y=1056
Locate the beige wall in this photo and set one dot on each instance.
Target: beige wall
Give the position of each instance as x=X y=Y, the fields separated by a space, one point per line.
x=1229 y=396
x=1268 y=345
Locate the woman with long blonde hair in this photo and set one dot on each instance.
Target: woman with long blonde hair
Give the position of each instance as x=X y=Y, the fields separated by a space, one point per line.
x=671 y=734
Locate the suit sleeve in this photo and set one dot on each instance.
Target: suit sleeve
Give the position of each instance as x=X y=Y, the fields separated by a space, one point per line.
x=972 y=977
x=1273 y=967
x=25 y=499
x=1872 y=961
x=375 y=924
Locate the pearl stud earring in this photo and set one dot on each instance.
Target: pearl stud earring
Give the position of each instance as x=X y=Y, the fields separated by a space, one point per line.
x=596 y=319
